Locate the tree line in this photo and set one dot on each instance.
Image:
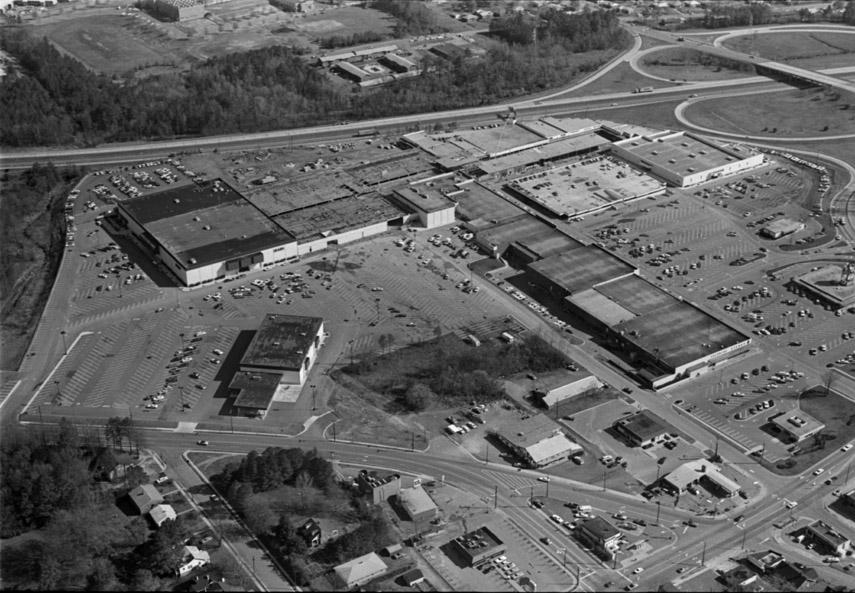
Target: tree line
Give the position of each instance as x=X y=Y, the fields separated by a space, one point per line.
x=57 y=101
x=50 y=483
x=455 y=372
x=275 y=520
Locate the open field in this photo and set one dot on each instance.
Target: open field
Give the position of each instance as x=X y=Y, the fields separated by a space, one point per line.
x=347 y=20
x=804 y=112
x=111 y=43
x=618 y=80
x=679 y=63
x=808 y=50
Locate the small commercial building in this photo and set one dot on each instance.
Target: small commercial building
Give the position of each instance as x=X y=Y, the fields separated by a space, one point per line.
x=418 y=505
x=833 y=284
x=564 y=387
x=641 y=429
x=180 y=10
x=161 y=513
x=830 y=540
x=782 y=227
x=145 y=498
x=276 y=362
x=360 y=571
x=285 y=344
x=701 y=472
x=380 y=489
x=413 y=577
x=479 y=546
x=600 y=535
x=536 y=440
x=797 y=425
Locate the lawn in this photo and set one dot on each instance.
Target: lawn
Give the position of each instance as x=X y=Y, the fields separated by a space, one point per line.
x=348 y=20
x=788 y=114
x=620 y=79
x=813 y=50
x=104 y=43
x=838 y=415
x=679 y=63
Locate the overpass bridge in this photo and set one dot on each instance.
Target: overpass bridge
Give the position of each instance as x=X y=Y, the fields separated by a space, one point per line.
x=787 y=72
x=777 y=70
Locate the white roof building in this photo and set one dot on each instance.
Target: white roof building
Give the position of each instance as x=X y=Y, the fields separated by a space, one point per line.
x=360 y=570
x=193 y=558
x=161 y=513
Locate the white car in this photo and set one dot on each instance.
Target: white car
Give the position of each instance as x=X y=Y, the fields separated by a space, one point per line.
x=543 y=478
x=846 y=447
x=818 y=471
x=638 y=570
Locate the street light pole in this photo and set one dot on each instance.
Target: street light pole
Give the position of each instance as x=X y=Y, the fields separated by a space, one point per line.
x=64 y=346
x=658 y=508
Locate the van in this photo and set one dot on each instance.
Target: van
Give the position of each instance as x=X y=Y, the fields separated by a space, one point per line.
x=585 y=508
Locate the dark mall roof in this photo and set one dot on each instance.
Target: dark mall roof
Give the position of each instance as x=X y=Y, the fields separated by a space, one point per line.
x=282 y=342
x=205 y=223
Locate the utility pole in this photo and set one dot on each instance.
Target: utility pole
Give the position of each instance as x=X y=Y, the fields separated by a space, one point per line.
x=64 y=346
x=333 y=432
x=658 y=508
x=604 y=479
x=412 y=441
x=704 y=555
x=547 y=489
x=495 y=497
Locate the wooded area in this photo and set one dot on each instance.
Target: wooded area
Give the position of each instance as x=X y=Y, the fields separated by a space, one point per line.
x=57 y=101
x=53 y=490
x=448 y=371
x=261 y=489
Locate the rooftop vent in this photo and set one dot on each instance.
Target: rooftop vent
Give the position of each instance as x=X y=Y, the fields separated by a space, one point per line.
x=196 y=219
x=192 y=261
x=206 y=227
x=176 y=200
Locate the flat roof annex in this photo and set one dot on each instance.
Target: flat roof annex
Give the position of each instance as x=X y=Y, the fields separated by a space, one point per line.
x=255 y=389
x=644 y=425
x=282 y=341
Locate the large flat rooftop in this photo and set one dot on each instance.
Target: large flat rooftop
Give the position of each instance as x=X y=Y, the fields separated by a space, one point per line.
x=582 y=268
x=476 y=202
x=303 y=191
x=678 y=333
x=680 y=153
x=424 y=198
x=205 y=223
x=409 y=165
x=282 y=341
x=565 y=147
x=579 y=188
x=338 y=216
x=527 y=232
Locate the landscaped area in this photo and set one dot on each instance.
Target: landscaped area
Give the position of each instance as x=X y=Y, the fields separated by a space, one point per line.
x=806 y=49
x=792 y=113
x=680 y=63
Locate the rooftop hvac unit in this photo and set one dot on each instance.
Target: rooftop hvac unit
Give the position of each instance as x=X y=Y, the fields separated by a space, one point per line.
x=206 y=227
x=176 y=200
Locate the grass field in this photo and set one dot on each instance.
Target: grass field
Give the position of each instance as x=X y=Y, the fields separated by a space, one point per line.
x=679 y=63
x=818 y=50
x=803 y=112
x=620 y=79
x=347 y=20
x=104 y=43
